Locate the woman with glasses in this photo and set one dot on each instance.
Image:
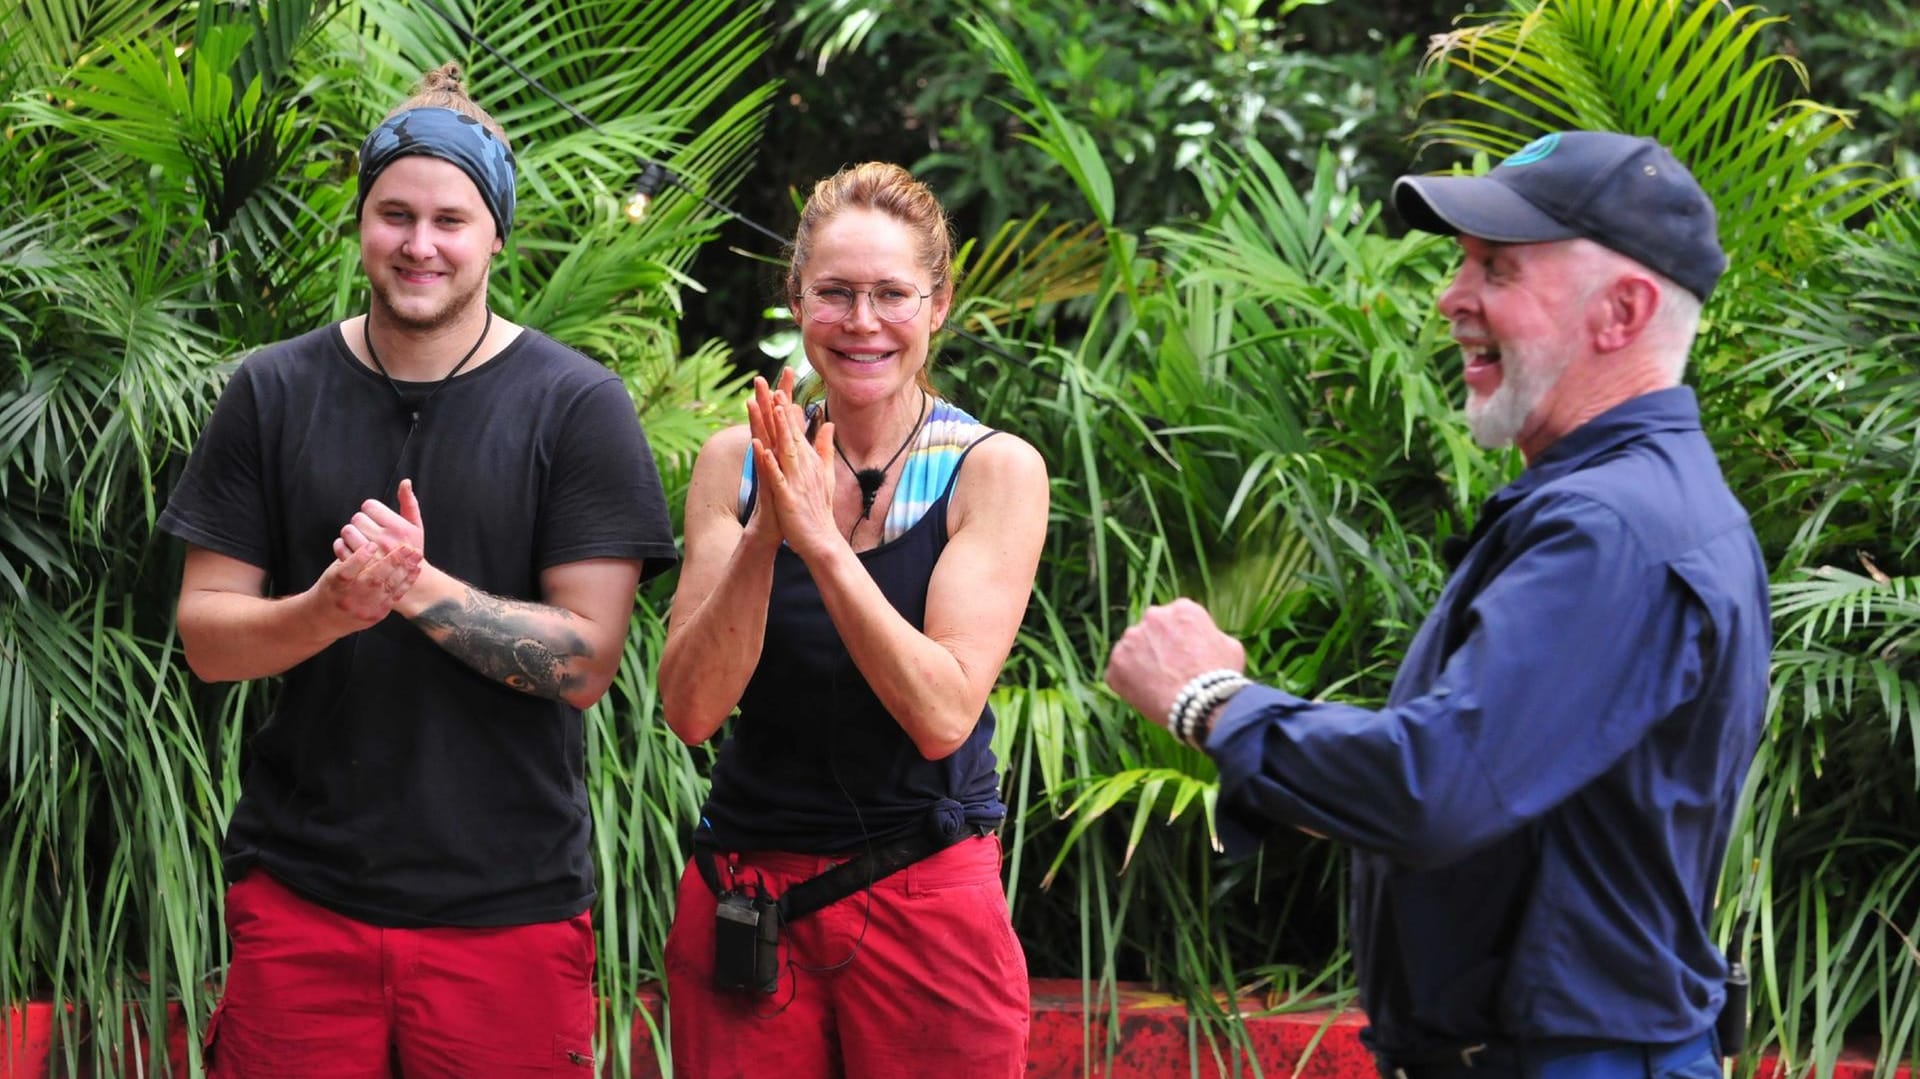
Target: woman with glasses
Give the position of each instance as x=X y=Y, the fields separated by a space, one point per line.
x=856 y=567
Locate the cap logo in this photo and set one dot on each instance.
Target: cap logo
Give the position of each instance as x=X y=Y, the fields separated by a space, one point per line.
x=1534 y=150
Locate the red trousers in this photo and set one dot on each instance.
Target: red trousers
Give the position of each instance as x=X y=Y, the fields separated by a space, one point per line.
x=920 y=976
x=313 y=993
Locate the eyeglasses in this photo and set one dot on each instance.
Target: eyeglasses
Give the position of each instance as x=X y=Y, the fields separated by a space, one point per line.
x=892 y=301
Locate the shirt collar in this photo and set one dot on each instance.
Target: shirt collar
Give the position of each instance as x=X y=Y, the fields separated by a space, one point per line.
x=1672 y=409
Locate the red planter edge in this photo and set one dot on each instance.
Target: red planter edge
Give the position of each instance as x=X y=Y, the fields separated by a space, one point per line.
x=1153 y=1040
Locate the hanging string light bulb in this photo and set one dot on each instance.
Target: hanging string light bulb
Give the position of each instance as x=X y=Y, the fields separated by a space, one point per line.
x=652 y=178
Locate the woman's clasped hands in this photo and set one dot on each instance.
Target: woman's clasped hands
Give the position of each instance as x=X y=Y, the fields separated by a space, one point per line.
x=796 y=473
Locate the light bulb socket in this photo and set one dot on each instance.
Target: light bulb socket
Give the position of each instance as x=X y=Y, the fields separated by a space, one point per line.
x=653 y=176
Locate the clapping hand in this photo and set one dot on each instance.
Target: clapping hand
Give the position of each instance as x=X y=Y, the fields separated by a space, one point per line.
x=377 y=558
x=796 y=474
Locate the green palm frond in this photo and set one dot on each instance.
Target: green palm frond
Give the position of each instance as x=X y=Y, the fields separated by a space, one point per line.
x=682 y=401
x=1144 y=788
x=117 y=375
x=1823 y=858
x=41 y=41
x=277 y=36
x=1314 y=277
x=832 y=28
x=106 y=760
x=1848 y=645
x=1829 y=603
x=184 y=114
x=1828 y=879
x=1820 y=404
x=179 y=191
x=651 y=76
x=1066 y=142
x=1686 y=72
x=1298 y=238
x=1842 y=361
x=645 y=790
x=1016 y=272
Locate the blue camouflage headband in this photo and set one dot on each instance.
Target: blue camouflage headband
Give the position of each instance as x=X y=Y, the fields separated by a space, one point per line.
x=452 y=137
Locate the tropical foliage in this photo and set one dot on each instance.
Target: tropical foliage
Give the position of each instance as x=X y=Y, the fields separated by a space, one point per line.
x=1254 y=410
x=1215 y=336
x=179 y=189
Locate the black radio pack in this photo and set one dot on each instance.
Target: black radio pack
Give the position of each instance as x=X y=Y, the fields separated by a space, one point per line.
x=746 y=943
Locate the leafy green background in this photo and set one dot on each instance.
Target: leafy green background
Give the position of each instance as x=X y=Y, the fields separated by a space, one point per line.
x=1195 y=307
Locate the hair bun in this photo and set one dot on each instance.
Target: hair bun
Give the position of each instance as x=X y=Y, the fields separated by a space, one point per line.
x=446 y=77
x=444 y=87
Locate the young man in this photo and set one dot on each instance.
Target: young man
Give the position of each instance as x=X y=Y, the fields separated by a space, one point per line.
x=432 y=522
x=1540 y=812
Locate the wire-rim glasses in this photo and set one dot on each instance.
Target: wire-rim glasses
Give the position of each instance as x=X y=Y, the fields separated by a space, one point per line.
x=892 y=301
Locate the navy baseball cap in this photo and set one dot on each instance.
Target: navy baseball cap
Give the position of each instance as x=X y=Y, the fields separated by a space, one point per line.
x=1621 y=191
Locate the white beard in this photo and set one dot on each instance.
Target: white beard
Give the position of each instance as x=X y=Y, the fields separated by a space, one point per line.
x=1527 y=374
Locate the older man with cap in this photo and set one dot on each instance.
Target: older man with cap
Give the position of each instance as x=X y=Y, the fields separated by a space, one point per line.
x=409 y=865
x=1540 y=810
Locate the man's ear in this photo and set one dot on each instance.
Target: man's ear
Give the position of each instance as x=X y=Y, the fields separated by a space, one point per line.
x=499 y=242
x=1624 y=309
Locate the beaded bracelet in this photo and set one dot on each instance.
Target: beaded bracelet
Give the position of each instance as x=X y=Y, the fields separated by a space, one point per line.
x=1196 y=701
x=1183 y=723
x=1199 y=719
x=1187 y=692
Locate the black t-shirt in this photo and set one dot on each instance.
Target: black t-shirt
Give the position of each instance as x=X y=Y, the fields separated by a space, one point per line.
x=393 y=783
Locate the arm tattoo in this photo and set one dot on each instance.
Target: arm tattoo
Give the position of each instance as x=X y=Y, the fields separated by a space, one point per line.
x=527 y=646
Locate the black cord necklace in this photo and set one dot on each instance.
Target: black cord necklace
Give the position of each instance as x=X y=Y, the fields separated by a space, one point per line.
x=413 y=409
x=870 y=479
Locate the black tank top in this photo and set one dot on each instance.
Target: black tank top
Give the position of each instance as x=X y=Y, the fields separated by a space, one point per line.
x=814 y=763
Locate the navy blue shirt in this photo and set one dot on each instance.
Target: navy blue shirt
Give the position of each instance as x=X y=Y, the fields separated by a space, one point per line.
x=1540 y=813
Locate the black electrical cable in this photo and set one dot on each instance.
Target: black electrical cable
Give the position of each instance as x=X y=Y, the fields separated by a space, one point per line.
x=653 y=173
x=649 y=164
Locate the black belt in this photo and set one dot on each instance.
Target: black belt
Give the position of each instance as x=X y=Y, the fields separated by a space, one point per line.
x=1491 y=1060
x=880 y=859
